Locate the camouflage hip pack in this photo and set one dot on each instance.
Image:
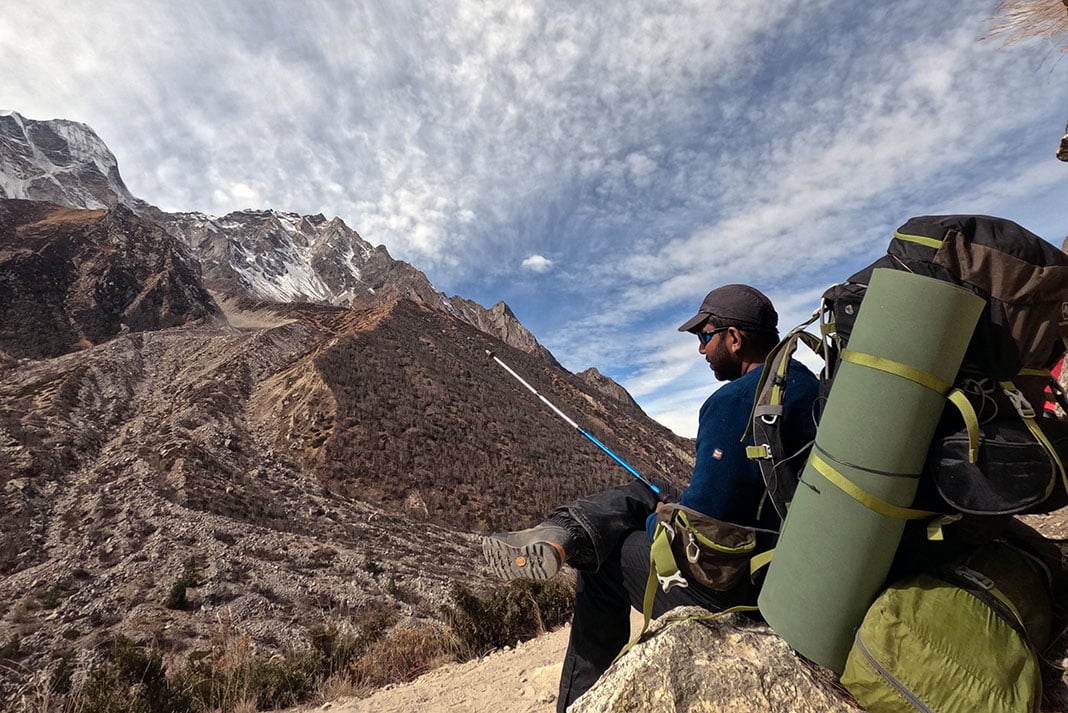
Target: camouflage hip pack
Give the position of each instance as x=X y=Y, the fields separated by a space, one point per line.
x=691 y=547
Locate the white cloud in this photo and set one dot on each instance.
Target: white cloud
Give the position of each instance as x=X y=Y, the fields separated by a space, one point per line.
x=537 y=263
x=237 y=194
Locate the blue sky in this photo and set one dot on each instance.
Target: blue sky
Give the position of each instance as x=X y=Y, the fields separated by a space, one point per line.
x=598 y=166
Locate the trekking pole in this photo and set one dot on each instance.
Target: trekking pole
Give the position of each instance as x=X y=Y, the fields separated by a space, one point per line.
x=574 y=425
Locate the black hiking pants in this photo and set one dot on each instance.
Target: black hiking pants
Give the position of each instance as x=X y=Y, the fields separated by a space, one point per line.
x=608 y=588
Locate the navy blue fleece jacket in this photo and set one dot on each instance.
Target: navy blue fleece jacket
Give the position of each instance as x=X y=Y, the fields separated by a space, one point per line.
x=725 y=484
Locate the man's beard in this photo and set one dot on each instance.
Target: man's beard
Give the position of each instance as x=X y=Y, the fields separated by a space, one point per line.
x=723 y=363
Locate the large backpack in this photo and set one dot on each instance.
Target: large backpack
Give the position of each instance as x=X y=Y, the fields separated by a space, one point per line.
x=964 y=637
x=992 y=453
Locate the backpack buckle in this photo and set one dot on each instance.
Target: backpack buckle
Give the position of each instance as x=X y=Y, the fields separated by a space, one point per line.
x=1019 y=402
x=763 y=451
x=674 y=580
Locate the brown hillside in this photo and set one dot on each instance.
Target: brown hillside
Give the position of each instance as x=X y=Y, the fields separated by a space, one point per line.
x=330 y=468
x=403 y=407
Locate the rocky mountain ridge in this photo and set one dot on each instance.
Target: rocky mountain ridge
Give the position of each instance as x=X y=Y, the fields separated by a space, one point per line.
x=76 y=278
x=257 y=255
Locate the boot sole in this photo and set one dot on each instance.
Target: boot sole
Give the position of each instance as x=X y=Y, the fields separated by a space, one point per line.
x=533 y=560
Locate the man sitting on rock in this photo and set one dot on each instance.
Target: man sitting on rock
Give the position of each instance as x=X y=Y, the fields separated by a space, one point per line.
x=606 y=536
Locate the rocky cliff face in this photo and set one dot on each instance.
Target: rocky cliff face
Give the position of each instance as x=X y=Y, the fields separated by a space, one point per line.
x=499 y=321
x=60 y=162
x=73 y=278
x=284 y=257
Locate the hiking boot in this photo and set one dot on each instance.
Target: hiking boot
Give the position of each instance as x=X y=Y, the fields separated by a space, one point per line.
x=534 y=553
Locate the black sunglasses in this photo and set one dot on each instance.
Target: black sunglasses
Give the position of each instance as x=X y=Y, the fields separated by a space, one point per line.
x=706 y=337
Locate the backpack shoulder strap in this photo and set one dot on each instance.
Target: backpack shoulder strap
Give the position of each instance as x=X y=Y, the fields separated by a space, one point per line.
x=779 y=470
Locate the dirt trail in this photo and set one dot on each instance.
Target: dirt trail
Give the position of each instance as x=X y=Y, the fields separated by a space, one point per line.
x=522 y=679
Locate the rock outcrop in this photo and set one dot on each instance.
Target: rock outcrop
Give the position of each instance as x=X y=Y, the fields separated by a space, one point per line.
x=728 y=663
x=501 y=322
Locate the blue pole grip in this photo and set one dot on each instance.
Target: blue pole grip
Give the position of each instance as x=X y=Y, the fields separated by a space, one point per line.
x=619 y=460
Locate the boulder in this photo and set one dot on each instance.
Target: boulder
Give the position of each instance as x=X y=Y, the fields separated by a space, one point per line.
x=727 y=663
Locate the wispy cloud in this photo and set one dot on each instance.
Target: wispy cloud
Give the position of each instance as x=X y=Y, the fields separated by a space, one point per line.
x=645 y=152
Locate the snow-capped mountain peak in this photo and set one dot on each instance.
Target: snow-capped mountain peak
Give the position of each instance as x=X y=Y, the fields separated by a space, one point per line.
x=58 y=161
x=259 y=254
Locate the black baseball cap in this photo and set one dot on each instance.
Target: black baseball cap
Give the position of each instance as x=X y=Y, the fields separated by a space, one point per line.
x=740 y=305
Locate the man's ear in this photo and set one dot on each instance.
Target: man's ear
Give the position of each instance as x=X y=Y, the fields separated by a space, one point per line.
x=735 y=339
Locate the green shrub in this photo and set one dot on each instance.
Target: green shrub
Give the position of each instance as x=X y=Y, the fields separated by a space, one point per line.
x=334 y=651
x=60 y=680
x=519 y=610
x=131 y=679
x=177 y=598
x=237 y=677
x=11 y=649
x=231 y=674
x=371 y=565
x=51 y=598
x=402 y=656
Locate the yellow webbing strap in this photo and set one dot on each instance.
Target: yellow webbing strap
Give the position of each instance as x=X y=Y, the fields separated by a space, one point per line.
x=863 y=497
x=959 y=399
x=647 y=611
x=661 y=557
x=935 y=526
x=896 y=368
x=661 y=563
x=919 y=239
x=757 y=452
x=779 y=386
x=760 y=561
x=1027 y=414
